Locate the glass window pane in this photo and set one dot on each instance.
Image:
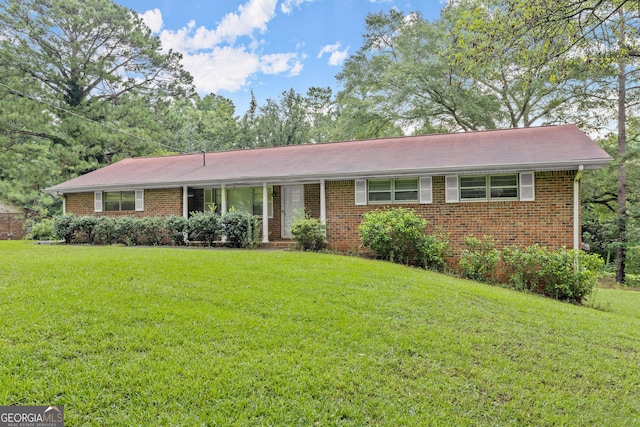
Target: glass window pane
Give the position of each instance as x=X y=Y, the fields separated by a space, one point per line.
x=406 y=196
x=406 y=184
x=503 y=193
x=241 y=199
x=380 y=185
x=504 y=181
x=473 y=193
x=380 y=197
x=473 y=181
x=111 y=201
x=128 y=200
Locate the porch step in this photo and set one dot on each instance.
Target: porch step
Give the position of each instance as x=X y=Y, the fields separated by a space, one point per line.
x=279 y=244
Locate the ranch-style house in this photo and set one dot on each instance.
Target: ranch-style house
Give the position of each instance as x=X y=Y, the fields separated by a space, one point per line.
x=520 y=186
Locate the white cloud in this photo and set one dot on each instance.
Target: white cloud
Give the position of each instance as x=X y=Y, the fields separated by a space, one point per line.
x=287 y=5
x=227 y=56
x=153 y=19
x=336 y=56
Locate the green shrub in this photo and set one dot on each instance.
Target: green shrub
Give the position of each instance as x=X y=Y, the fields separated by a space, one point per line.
x=151 y=230
x=42 y=230
x=241 y=228
x=126 y=230
x=553 y=272
x=204 y=226
x=85 y=228
x=309 y=233
x=104 y=230
x=175 y=225
x=432 y=252
x=393 y=234
x=63 y=227
x=479 y=260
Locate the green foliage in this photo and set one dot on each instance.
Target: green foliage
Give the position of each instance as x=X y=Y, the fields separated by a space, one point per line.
x=63 y=227
x=432 y=252
x=85 y=228
x=309 y=233
x=553 y=272
x=152 y=230
x=393 y=234
x=126 y=230
x=298 y=339
x=479 y=259
x=175 y=226
x=204 y=226
x=241 y=228
x=42 y=230
x=104 y=230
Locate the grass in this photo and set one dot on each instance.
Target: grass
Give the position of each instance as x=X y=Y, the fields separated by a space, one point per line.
x=161 y=336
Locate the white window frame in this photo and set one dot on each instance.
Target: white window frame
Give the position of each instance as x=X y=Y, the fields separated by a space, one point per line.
x=487 y=188
x=393 y=191
x=135 y=199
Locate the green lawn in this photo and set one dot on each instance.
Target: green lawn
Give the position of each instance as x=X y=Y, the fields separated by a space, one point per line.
x=132 y=336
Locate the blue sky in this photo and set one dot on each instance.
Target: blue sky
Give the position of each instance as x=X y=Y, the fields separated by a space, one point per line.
x=268 y=46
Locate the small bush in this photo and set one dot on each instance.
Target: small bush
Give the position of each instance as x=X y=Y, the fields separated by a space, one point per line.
x=126 y=230
x=309 y=233
x=175 y=225
x=42 y=230
x=432 y=252
x=204 y=227
x=241 y=228
x=393 y=234
x=151 y=230
x=85 y=228
x=63 y=227
x=479 y=260
x=553 y=272
x=104 y=230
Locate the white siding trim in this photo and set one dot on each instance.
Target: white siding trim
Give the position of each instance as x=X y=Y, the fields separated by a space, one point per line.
x=139 y=200
x=451 y=188
x=97 y=201
x=361 y=192
x=426 y=193
x=527 y=187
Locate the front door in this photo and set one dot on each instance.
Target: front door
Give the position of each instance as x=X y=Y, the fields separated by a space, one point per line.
x=292 y=204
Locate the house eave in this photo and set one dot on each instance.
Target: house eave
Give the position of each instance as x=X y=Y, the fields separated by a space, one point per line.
x=336 y=176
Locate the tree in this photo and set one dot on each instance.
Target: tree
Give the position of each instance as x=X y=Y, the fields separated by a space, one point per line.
x=90 y=85
x=416 y=74
x=600 y=32
x=282 y=122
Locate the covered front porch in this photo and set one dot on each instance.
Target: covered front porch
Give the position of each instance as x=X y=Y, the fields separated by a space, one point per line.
x=284 y=203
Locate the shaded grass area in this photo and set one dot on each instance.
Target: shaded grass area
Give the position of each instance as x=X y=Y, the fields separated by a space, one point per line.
x=162 y=336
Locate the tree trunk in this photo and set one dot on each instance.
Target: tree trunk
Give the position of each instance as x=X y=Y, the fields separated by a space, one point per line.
x=621 y=251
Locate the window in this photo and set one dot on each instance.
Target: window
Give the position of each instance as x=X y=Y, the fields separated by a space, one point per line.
x=248 y=199
x=489 y=187
x=402 y=190
x=119 y=201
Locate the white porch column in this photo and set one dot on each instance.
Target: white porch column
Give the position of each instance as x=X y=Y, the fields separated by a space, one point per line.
x=265 y=213
x=223 y=202
x=323 y=204
x=185 y=201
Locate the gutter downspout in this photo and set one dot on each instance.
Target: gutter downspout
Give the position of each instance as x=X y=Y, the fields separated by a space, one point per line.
x=576 y=217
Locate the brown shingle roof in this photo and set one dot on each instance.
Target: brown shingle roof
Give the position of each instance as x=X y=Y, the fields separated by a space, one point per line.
x=562 y=147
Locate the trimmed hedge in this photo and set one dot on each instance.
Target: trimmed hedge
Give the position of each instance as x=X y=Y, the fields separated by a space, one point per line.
x=241 y=229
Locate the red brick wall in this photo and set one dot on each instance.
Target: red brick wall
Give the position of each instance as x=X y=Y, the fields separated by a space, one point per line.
x=12 y=226
x=547 y=221
x=161 y=202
